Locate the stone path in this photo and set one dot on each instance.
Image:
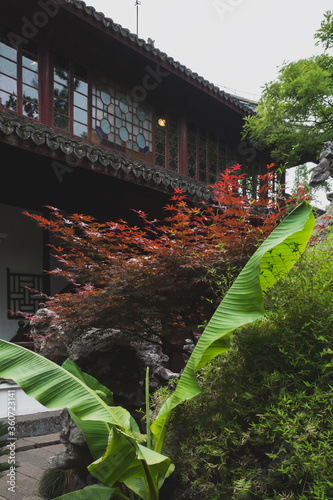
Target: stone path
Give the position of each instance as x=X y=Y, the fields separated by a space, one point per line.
x=31 y=457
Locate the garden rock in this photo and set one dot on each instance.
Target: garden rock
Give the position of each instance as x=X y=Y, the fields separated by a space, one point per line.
x=324 y=169
x=116 y=359
x=76 y=456
x=76 y=451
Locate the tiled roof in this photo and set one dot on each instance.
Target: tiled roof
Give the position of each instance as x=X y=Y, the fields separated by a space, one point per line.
x=100 y=158
x=241 y=104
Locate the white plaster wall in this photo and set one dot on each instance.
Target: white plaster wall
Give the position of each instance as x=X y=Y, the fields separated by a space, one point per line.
x=21 y=250
x=21 y=403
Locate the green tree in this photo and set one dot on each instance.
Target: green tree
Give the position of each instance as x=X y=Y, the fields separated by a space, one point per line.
x=294 y=116
x=325 y=34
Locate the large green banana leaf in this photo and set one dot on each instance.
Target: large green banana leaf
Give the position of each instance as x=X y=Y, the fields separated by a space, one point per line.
x=94 y=492
x=126 y=461
x=60 y=386
x=102 y=391
x=112 y=434
x=242 y=304
x=96 y=434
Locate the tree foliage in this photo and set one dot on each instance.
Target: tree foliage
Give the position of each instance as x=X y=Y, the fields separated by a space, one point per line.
x=112 y=435
x=325 y=33
x=262 y=426
x=156 y=277
x=294 y=116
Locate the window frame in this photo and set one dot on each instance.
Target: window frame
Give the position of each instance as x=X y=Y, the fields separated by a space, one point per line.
x=20 y=79
x=71 y=94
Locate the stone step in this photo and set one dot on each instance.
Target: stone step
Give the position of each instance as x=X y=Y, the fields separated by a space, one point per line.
x=36 y=424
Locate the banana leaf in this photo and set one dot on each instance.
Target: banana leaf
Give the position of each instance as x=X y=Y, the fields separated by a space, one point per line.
x=102 y=391
x=57 y=386
x=243 y=304
x=118 y=452
x=96 y=434
x=94 y=492
x=126 y=461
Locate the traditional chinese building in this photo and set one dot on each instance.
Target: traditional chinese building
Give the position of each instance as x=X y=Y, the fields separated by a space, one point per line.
x=95 y=120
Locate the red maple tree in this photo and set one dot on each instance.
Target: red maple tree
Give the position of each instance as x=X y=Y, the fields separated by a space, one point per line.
x=161 y=277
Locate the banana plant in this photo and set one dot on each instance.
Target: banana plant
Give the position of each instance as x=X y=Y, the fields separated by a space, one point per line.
x=122 y=455
x=242 y=304
x=112 y=435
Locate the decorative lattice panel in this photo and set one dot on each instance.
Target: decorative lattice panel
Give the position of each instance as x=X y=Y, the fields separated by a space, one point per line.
x=21 y=293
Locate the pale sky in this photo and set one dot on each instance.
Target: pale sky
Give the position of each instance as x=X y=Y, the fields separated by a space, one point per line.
x=238 y=45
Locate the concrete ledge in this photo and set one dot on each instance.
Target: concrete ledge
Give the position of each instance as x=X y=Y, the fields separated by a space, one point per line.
x=30 y=443
x=37 y=424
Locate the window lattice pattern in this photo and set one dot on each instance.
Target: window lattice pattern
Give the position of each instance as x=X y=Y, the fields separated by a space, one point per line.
x=202 y=155
x=160 y=146
x=206 y=154
x=20 y=298
x=212 y=147
x=166 y=140
x=121 y=123
x=173 y=143
x=191 y=152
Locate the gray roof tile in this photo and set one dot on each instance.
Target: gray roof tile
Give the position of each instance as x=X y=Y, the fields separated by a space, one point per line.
x=239 y=103
x=101 y=158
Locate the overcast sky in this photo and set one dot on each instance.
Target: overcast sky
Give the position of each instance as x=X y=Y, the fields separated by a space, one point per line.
x=238 y=45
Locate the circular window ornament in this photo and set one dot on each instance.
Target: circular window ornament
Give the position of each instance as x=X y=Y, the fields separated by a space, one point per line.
x=141 y=113
x=105 y=97
x=123 y=104
x=141 y=141
x=105 y=126
x=123 y=134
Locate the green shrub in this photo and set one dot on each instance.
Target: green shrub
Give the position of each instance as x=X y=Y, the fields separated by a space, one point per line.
x=262 y=427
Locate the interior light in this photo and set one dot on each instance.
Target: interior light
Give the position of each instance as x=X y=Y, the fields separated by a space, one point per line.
x=161 y=122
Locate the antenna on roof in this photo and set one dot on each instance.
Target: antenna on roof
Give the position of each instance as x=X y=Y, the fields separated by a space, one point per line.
x=137 y=3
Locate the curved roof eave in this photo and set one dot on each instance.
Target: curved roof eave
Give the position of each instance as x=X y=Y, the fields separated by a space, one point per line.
x=100 y=158
x=240 y=104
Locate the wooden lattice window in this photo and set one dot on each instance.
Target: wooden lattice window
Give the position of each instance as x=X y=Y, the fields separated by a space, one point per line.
x=120 y=122
x=21 y=293
x=206 y=154
x=167 y=140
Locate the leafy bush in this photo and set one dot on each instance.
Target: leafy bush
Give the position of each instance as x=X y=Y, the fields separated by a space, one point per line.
x=262 y=427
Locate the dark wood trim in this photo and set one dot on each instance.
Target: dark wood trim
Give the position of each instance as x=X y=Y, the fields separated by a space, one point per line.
x=46 y=257
x=44 y=81
x=182 y=146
